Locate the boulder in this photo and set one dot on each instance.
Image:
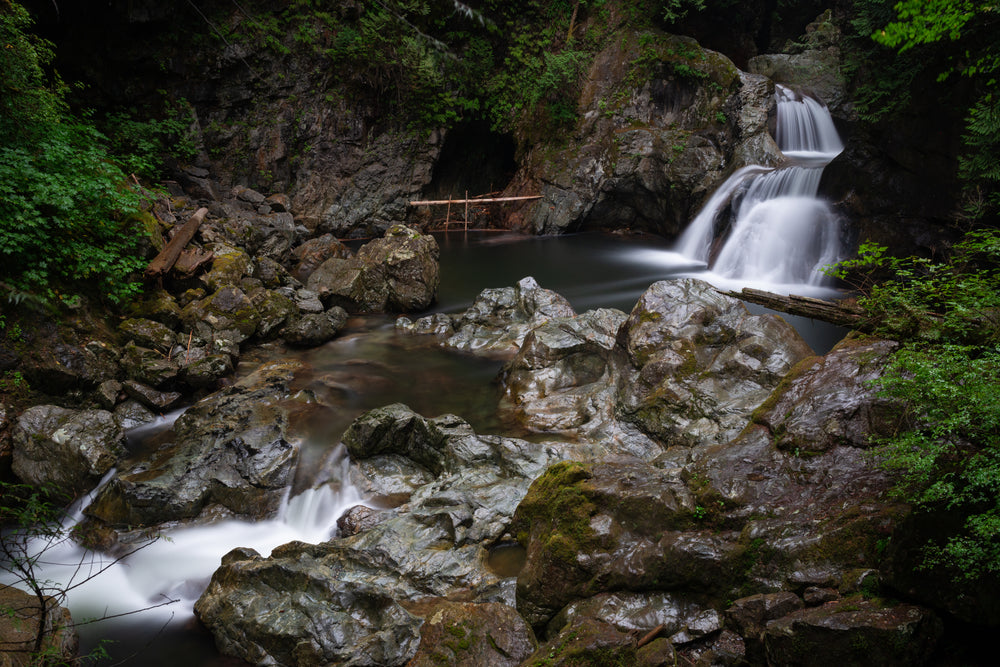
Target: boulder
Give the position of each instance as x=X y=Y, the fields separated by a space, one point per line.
x=58 y=367
x=853 y=631
x=294 y=613
x=148 y=366
x=612 y=526
x=433 y=546
x=471 y=635
x=700 y=362
x=229 y=266
x=311 y=254
x=230 y=449
x=564 y=373
x=396 y=273
x=148 y=333
x=590 y=641
x=68 y=450
x=19 y=627
x=314 y=329
x=158 y=401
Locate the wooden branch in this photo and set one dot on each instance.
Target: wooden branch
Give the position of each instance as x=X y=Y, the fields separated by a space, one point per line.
x=650 y=636
x=473 y=200
x=843 y=313
x=163 y=262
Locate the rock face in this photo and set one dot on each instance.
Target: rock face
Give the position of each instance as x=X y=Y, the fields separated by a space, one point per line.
x=229 y=451
x=661 y=124
x=68 y=450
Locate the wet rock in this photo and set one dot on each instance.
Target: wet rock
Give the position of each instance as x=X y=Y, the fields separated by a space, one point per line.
x=471 y=635
x=148 y=333
x=613 y=526
x=813 y=65
x=359 y=519
x=634 y=612
x=749 y=616
x=396 y=273
x=160 y=306
x=311 y=254
x=500 y=318
x=314 y=329
x=433 y=546
x=271 y=274
x=62 y=367
x=229 y=449
x=158 y=401
x=107 y=393
x=130 y=413
x=148 y=366
x=68 y=450
x=308 y=301
x=230 y=265
x=437 y=324
x=291 y=613
x=830 y=401
x=583 y=641
x=274 y=310
x=207 y=370
x=564 y=373
x=853 y=632
x=701 y=363
x=19 y=628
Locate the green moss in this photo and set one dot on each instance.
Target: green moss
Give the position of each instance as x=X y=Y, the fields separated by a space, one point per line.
x=758 y=416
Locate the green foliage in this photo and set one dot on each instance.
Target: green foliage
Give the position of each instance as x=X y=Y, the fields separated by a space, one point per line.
x=143 y=144
x=910 y=41
x=946 y=379
x=66 y=207
x=672 y=11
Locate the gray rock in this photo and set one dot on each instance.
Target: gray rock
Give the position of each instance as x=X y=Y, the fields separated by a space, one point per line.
x=158 y=401
x=314 y=329
x=396 y=273
x=148 y=366
x=148 y=333
x=853 y=632
x=470 y=635
x=229 y=449
x=207 y=370
x=68 y=450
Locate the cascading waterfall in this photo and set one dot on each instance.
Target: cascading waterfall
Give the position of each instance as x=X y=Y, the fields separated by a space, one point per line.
x=178 y=566
x=781 y=233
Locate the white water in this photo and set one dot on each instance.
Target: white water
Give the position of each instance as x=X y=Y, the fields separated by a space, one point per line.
x=781 y=234
x=177 y=567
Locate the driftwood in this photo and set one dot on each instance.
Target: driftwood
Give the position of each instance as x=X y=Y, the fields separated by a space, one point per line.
x=473 y=200
x=164 y=261
x=190 y=260
x=842 y=313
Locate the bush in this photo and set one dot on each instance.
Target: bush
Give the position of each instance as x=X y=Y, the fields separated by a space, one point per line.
x=67 y=211
x=946 y=379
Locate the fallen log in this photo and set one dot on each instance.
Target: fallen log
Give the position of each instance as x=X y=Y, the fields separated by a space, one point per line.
x=842 y=313
x=491 y=200
x=164 y=261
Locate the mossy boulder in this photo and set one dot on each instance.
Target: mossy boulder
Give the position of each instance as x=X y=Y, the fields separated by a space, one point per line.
x=148 y=333
x=229 y=266
x=148 y=366
x=471 y=635
x=613 y=526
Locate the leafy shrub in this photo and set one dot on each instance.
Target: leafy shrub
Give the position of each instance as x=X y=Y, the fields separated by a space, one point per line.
x=946 y=378
x=67 y=211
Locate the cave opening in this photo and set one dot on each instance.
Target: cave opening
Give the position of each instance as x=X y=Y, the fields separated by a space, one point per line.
x=475 y=161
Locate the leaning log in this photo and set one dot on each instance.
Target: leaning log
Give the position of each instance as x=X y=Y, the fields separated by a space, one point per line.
x=844 y=313
x=164 y=261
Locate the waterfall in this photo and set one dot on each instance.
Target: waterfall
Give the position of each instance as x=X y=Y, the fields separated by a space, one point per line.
x=179 y=565
x=781 y=234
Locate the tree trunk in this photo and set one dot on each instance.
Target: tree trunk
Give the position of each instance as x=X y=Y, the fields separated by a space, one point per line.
x=163 y=262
